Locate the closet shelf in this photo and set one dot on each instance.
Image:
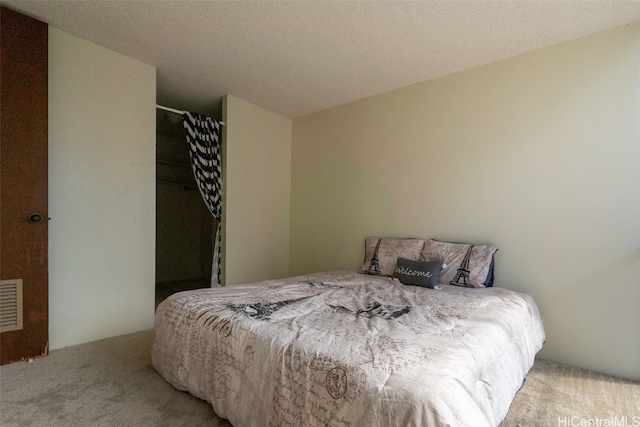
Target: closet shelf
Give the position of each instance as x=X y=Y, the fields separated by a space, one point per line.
x=177 y=184
x=172 y=163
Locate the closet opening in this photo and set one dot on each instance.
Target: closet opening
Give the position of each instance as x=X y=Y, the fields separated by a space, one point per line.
x=185 y=229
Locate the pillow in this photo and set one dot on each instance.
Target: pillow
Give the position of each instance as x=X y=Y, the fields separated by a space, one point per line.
x=467 y=265
x=418 y=273
x=381 y=254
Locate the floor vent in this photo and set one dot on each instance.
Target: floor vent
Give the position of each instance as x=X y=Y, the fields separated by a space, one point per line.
x=10 y=305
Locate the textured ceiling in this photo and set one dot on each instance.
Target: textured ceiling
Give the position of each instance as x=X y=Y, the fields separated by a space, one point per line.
x=299 y=57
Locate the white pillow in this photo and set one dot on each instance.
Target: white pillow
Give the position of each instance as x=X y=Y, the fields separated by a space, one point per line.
x=388 y=251
x=475 y=272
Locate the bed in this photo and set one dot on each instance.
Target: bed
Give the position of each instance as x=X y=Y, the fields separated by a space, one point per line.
x=342 y=348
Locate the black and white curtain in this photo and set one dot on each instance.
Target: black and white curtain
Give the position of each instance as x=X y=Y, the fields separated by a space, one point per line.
x=204 y=149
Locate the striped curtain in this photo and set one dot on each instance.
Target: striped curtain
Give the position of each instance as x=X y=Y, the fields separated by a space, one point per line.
x=204 y=149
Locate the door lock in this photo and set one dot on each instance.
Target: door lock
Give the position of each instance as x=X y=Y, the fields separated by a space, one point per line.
x=35 y=218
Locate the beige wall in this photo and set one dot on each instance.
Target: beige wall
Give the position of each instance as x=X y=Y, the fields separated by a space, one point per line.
x=257 y=181
x=101 y=192
x=537 y=154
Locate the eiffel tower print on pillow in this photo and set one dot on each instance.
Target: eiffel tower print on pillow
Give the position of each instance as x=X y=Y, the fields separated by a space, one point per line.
x=469 y=265
x=374 y=265
x=462 y=276
x=381 y=254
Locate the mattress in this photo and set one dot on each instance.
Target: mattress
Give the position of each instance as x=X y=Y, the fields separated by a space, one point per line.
x=341 y=348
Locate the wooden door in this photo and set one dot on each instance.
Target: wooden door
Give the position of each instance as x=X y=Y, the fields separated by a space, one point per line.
x=23 y=180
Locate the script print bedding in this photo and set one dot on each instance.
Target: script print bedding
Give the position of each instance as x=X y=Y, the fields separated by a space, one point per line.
x=345 y=349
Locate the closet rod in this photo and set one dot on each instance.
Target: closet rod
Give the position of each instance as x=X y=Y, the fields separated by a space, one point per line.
x=173 y=110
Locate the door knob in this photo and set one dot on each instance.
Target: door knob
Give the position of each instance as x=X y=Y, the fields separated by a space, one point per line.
x=35 y=218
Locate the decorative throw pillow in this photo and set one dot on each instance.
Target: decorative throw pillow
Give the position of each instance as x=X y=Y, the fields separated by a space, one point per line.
x=418 y=273
x=381 y=254
x=466 y=265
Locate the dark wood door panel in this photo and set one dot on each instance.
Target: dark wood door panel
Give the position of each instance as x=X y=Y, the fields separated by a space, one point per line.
x=24 y=178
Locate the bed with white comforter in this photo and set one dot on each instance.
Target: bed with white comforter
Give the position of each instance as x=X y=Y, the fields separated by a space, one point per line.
x=346 y=349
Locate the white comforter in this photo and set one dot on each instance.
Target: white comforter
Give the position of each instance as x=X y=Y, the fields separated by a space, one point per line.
x=346 y=349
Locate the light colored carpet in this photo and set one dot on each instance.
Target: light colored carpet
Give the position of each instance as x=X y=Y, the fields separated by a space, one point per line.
x=105 y=383
x=557 y=395
x=112 y=383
